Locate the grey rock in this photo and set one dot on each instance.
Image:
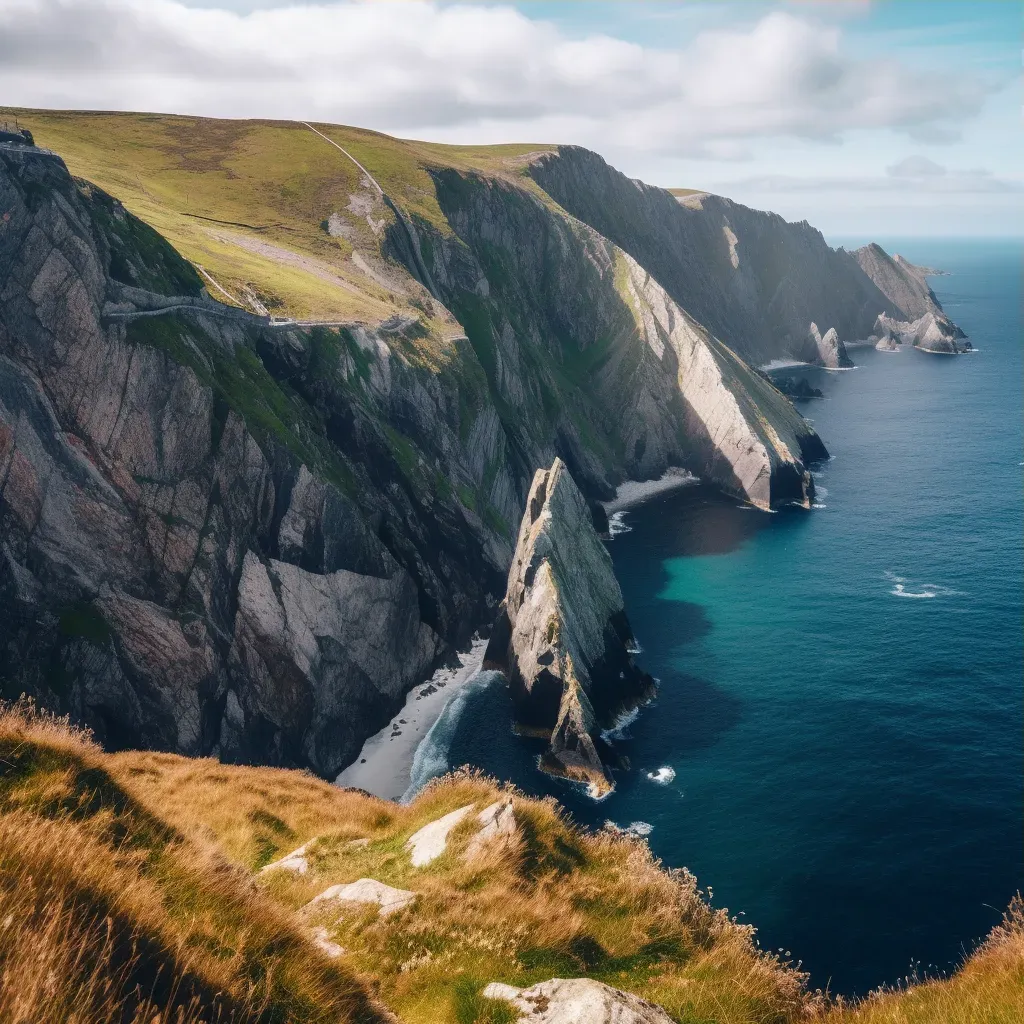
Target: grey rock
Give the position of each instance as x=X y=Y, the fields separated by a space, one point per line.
x=562 y=637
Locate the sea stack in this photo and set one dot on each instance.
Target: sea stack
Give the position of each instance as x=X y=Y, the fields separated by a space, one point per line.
x=828 y=349
x=562 y=637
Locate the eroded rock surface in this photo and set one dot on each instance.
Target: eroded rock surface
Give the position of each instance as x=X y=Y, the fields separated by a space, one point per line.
x=562 y=636
x=365 y=890
x=431 y=841
x=577 y=1001
x=827 y=349
x=498 y=821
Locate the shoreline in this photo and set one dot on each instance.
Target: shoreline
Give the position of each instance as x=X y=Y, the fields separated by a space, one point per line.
x=633 y=492
x=384 y=765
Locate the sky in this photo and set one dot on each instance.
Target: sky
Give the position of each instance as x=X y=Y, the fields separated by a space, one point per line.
x=887 y=118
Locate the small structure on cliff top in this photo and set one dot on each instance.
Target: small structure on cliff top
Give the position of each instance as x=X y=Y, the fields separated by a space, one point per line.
x=11 y=131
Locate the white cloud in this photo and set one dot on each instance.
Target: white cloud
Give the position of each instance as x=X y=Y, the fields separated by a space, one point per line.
x=471 y=73
x=915 y=167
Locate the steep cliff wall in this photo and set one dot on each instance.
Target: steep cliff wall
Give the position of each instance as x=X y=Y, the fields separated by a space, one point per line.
x=753 y=279
x=232 y=537
x=197 y=554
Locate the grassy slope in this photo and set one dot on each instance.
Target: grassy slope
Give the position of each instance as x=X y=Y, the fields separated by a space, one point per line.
x=171 y=842
x=242 y=199
x=119 y=870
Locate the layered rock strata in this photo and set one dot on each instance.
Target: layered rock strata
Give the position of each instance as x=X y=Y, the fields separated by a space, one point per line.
x=751 y=278
x=226 y=537
x=562 y=637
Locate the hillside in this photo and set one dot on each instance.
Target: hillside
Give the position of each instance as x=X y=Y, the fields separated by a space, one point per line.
x=132 y=885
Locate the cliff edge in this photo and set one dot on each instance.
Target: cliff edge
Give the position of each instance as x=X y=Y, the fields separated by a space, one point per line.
x=562 y=637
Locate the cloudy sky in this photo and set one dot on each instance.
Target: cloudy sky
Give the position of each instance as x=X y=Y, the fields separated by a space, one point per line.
x=866 y=118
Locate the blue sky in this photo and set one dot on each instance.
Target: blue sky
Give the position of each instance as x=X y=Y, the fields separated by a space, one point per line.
x=892 y=118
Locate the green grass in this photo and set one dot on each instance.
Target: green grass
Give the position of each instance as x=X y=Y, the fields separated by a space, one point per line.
x=240 y=382
x=214 y=188
x=162 y=848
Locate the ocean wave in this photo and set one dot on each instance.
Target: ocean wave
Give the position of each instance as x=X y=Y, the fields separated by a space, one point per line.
x=818 y=504
x=617 y=524
x=621 y=724
x=663 y=776
x=638 y=829
x=431 y=758
x=920 y=591
x=821 y=491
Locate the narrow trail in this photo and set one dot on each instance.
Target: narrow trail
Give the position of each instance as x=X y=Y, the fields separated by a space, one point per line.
x=410 y=233
x=373 y=181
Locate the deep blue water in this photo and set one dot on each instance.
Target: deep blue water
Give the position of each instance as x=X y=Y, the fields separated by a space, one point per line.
x=848 y=755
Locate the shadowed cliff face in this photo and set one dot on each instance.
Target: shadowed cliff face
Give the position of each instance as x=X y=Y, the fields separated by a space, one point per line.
x=224 y=537
x=754 y=280
x=196 y=555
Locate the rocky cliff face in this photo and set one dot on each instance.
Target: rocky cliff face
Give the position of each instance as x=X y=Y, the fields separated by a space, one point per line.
x=562 y=635
x=222 y=536
x=827 y=350
x=752 y=279
x=195 y=556
x=917 y=318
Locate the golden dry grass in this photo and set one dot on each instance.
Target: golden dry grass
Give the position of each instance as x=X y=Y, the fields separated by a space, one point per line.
x=988 y=989
x=555 y=901
x=131 y=892
x=111 y=914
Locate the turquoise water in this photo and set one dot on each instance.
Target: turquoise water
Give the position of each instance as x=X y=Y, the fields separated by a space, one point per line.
x=841 y=696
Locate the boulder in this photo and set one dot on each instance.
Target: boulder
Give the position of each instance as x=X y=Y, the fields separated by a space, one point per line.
x=577 y=1001
x=499 y=823
x=562 y=637
x=430 y=841
x=295 y=861
x=365 y=890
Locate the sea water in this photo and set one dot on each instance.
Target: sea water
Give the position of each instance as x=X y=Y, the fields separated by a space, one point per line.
x=836 y=747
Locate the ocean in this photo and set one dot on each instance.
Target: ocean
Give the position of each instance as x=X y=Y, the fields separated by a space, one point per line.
x=836 y=747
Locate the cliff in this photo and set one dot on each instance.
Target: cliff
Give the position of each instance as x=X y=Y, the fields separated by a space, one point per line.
x=562 y=635
x=230 y=536
x=751 y=278
x=917 y=318
x=187 y=890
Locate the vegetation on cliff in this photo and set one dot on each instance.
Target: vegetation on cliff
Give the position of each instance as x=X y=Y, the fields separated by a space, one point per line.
x=132 y=891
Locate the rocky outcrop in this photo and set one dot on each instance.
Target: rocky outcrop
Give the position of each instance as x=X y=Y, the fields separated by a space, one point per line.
x=577 y=1001
x=914 y=315
x=365 y=890
x=562 y=636
x=931 y=332
x=827 y=349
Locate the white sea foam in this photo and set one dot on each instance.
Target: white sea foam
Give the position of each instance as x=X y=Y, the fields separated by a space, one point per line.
x=431 y=758
x=818 y=504
x=617 y=524
x=634 y=828
x=635 y=647
x=632 y=492
x=920 y=591
x=822 y=491
x=620 y=725
x=782 y=364
x=663 y=776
